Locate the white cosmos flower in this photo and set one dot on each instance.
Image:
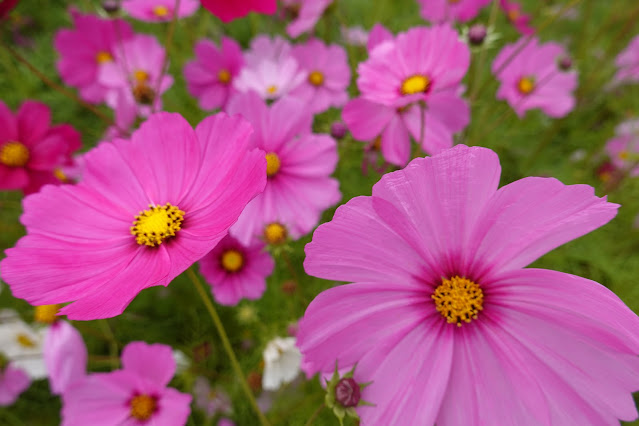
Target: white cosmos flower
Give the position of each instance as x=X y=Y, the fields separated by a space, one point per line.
x=22 y=344
x=282 y=362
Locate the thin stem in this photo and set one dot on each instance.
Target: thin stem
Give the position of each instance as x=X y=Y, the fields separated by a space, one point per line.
x=113 y=344
x=168 y=44
x=314 y=415
x=226 y=343
x=479 y=67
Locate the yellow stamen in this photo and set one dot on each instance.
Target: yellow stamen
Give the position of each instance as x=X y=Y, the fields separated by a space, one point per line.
x=273 y=164
x=14 y=154
x=623 y=155
x=458 y=300
x=152 y=227
x=160 y=11
x=142 y=407
x=526 y=85
x=224 y=76
x=316 y=78
x=25 y=341
x=141 y=76
x=377 y=144
x=103 y=57
x=60 y=175
x=275 y=233
x=232 y=260
x=513 y=15
x=415 y=84
x=271 y=90
x=46 y=313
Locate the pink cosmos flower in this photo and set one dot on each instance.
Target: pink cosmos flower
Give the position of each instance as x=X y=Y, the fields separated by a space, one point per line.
x=299 y=164
x=628 y=62
x=159 y=10
x=328 y=75
x=31 y=150
x=13 y=381
x=305 y=14
x=236 y=271
x=437 y=255
x=623 y=149
x=377 y=36
x=86 y=48
x=135 y=395
x=520 y=21
x=65 y=356
x=531 y=78
x=267 y=47
x=135 y=79
x=145 y=210
x=438 y=11
x=229 y=10
x=210 y=76
x=354 y=36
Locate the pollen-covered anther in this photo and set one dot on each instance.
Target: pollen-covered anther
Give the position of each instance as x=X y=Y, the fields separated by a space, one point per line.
x=232 y=260
x=316 y=78
x=273 y=164
x=14 y=154
x=157 y=224
x=142 y=407
x=415 y=84
x=275 y=233
x=46 y=314
x=160 y=11
x=224 y=76
x=525 y=85
x=271 y=90
x=25 y=341
x=101 y=57
x=458 y=300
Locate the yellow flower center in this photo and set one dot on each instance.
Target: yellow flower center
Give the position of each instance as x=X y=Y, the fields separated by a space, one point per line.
x=271 y=90
x=273 y=164
x=142 y=407
x=526 y=85
x=275 y=233
x=458 y=300
x=224 y=76
x=14 y=154
x=152 y=227
x=58 y=173
x=160 y=11
x=316 y=78
x=103 y=57
x=513 y=15
x=232 y=260
x=46 y=313
x=623 y=155
x=415 y=84
x=141 y=76
x=25 y=341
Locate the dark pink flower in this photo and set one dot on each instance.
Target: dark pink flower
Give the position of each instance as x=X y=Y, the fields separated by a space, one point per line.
x=514 y=14
x=159 y=10
x=305 y=14
x=438 y=11
x=228 y=10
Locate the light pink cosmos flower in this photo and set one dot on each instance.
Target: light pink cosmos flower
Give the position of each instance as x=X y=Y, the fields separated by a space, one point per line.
x=354 y=36
x=438 y=11
x=65 y=356
x=305 y=14
x=437 y=255
x=31 y=150
x=228 y=10
x=377 y=36
x=159 y=10
x=266 y=47
x=13 y=381
x=531 y=78
x=236 y=271
x=411 y=86
x=623 y=149
x=135 y=79
x=329 y=75
x=299 y=164
x=628 y=63
x=92 y=43
x=146 y=210
x=210 y=400
x=135 y=395
x=210 y=76
x=520 y=21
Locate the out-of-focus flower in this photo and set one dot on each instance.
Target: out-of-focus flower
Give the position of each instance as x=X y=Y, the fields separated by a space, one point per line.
x=378 y=35
x=65 y=356
x=304 y=14
x=530 y=78
x=438 y=11
x=13 y=381
x=22 y=345
x=628 y=63
x=159 y=10
x=623 y=149
x=281 y=362
x=136 y=394
x=145 y=210
x=228 y=10
x=6 y=6
x=236 y=271
x=519 y=20
x=355 y=36
x=210 y=400
x=210 y=76
x=338 y=130
x=448 y=300
x=31 y=150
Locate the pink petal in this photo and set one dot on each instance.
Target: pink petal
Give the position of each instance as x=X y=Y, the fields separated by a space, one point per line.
x=154 y=362
x=65 y=356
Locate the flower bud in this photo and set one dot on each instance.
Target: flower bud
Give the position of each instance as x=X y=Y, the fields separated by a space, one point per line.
x=565 y=63
x=347 y=392
x=338 y=130
x=111 y=6
x=477 y=34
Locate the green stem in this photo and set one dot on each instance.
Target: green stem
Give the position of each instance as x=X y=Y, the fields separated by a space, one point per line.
x=113 y=344
x=226 y=343
x=314 y=415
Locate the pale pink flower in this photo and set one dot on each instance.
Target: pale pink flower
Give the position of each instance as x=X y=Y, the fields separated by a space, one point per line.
x=354 y=36
x=443 y=318
x=13 y=381
x=438 y=11
x=145 y=210
x=306 y=13
x=209 y=399
x=519 y=20
x=623 y=149
x=531 y=78
x=210 y=76
x=266 y=47
x=159 y=10
x=228 y=10
x=65 y=356
x=377 y=36
x=628 y=63
x=236 y=271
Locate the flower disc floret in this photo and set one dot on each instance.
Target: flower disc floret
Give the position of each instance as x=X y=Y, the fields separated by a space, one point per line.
x=526 y=85
x=415 y=84
x=273 y=164
x=102 y=57
x=316 y=78
x=232 y=260
x=224 y=76
x=161 y=11
x=14 y=154
x=275 y=233
x=143 y=407
x=458 y=300
x=46 y=314
x=153 y=226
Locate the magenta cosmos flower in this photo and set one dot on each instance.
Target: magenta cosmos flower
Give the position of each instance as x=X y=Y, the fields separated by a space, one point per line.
x=299 y=164
x=517 y=18
x=236 y=271
x=135 y=395
x=305 y=14
x=628 y=62
x=411 y=86
x=85 y=48
x=146 y=209
x=210 y=76
x=13 y=381
x=228 y=10
x=159 y=10
x=329 y=75
x=531 y=78
x=444 y=320
x=32 y=151
x=439 y=11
